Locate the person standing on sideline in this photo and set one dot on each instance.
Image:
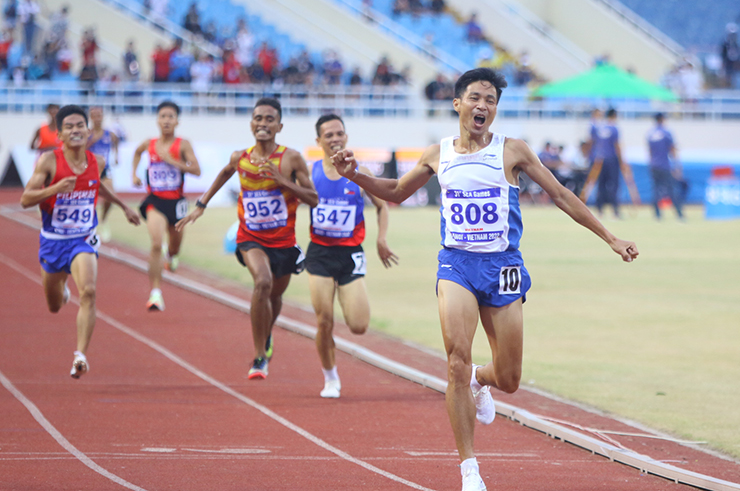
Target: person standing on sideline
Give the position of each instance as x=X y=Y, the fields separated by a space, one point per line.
x=664 y=167
x=481 y=273
x=103 y=142
x=607 y=155
x=170 y=158
x=66 y=184
x=273 y=178
x=47 y=136
x=335 y=260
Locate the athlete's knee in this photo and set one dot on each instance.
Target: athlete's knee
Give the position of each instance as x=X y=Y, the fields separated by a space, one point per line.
x=509 y=380
x=325 y=322
x=357 y=327
x=88 y=293
x=156 y=248
x=458 y=369
x=263 y=285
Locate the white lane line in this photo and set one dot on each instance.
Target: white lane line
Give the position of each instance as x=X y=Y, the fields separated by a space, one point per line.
x=51 y=430
x=219 y=385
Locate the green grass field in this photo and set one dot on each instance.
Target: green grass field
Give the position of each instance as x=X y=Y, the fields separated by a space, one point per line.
x=656 y=341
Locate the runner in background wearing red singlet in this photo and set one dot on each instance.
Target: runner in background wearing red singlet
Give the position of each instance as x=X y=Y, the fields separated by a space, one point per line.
x=66 y=184
x=47 y=136
x=170 y=158
x=335 y=260
x=273 y=179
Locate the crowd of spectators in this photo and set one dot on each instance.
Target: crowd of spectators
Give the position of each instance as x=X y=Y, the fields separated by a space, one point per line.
x=417 y=7
x=241 y=59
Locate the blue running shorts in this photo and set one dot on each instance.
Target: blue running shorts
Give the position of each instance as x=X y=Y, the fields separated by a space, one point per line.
x=496 y=279
x=56 y=255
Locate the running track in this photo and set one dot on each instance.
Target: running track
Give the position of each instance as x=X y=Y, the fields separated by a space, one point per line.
x=167 y=404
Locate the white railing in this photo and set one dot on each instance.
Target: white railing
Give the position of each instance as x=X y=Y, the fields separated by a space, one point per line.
x=364 y=101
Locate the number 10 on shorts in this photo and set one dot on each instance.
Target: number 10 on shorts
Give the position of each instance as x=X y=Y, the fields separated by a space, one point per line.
x=509 y=280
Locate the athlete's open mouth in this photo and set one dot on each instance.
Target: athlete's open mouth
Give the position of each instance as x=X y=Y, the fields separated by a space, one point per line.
x=479 y=119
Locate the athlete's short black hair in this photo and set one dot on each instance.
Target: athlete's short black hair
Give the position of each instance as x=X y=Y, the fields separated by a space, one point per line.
x=480 y=74
x=68 y=111
x=169 y=104
x=659 y=117
x=272 y=102
x=326 y=118
x=611 y=113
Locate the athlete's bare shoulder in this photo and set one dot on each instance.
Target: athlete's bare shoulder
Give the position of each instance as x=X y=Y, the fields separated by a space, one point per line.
x=430 y=157
x=516 y=151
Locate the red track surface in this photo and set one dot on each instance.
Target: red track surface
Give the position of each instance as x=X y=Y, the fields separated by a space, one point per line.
x=145 y=417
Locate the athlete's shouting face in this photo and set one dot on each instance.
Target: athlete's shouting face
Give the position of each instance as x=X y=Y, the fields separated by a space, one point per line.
x=167 y=120
x=265 y=123
x=333 y=139
x=477 y=107
x=74 y=131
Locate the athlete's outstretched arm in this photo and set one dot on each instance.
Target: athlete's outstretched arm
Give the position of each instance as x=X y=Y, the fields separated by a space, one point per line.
x=526 y=161
x=393 y=190
x=137 y=158
x=222 y=178
x=387 y=256
x=35 y=192
x=109 y=195
x=295 y=166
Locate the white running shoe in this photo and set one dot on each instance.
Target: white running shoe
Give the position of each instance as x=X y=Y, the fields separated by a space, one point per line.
x=485 y=409
x=155 y=302
x=80 y=366
x=66 y=294
x=472 y=481
x=331 y=389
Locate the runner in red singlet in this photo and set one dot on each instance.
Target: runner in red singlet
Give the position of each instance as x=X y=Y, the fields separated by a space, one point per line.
x=170 y=158
x=65 y=184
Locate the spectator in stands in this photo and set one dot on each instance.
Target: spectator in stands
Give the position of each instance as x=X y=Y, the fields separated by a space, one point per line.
x=332 y=68
x=210 y=34
x=89 y=48
x=383 y=72
x=6 y=41
x=59 y=23
x=439 y=89
x=400 y=7
x=202 y=72
x=524 y=73
x=130 y=63
x=158 y=10
x=64 y=59
x=355 y=79
x=416 y=7
x=232 y=69
x=474 y=32
x=268 y=61
x=27 y=12
x=306 y=68
x=192 y=20
x=244 y=44
x=437 y=6
x=10 y=14
x=692 y=81
x=730 y=52
x=161 y=60
x=180 y=61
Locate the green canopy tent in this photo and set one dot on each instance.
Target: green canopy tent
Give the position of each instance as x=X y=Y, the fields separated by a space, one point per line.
x=605 y=81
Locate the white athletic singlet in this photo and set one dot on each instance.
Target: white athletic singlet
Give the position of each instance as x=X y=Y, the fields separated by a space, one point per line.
x=480 y=209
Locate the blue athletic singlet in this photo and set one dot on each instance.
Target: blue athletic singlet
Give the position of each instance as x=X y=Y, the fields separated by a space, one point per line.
x=480 y=208
x=338 y=218
x=103 y=147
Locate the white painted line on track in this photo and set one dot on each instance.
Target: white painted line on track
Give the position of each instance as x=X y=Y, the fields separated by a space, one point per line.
x=51 y=430
x=198 y=373
x=633 y=459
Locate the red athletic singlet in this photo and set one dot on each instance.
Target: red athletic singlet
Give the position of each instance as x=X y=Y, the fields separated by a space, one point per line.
x=162 y=179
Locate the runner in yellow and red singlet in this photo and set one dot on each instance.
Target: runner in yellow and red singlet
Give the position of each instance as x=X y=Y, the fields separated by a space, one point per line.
x=273 y=179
